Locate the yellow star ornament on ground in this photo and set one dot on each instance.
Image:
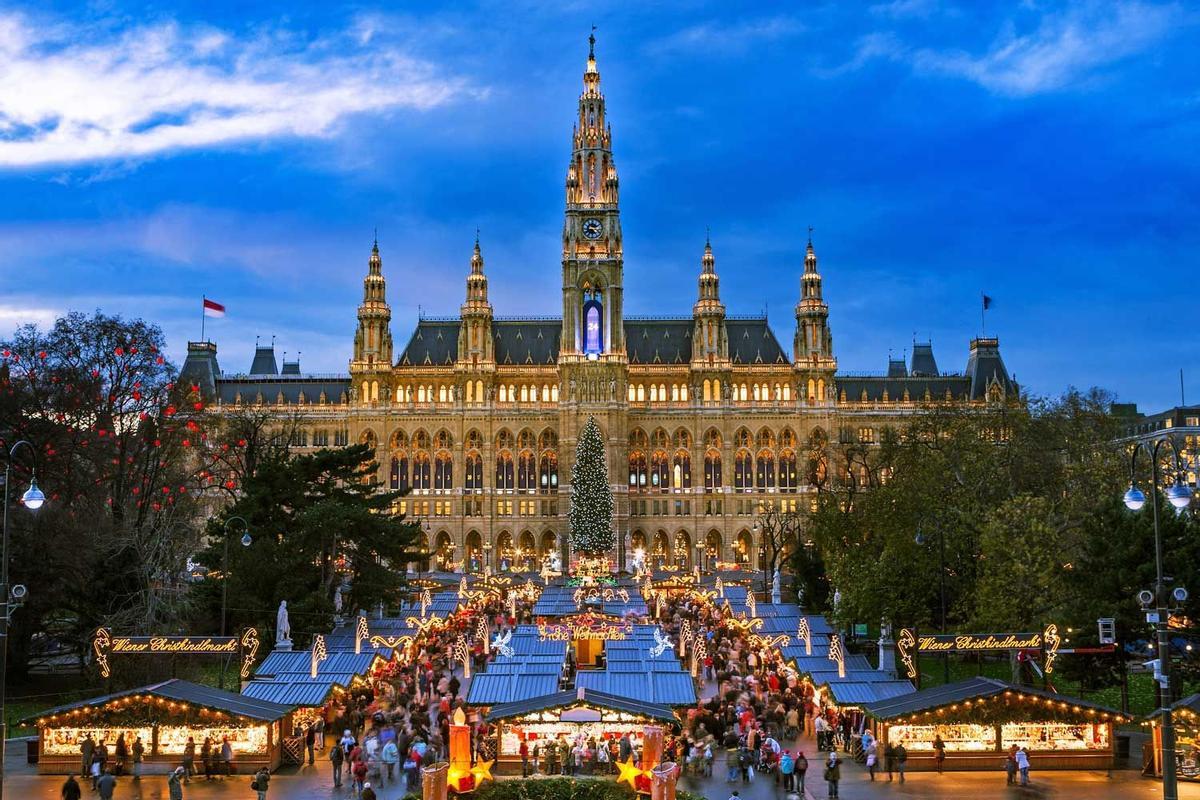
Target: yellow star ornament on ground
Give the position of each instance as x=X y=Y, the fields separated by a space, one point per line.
x=629 y=772
x=483 y=771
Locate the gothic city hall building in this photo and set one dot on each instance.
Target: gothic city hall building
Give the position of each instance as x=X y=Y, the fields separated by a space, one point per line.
x=707 y=418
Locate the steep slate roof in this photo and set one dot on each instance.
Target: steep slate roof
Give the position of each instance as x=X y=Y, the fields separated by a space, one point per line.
x=184 y=692
x=874 y=385
x=247 y=388
x=648 y=341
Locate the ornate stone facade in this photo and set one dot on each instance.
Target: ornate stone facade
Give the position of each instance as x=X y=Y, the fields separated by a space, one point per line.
x=706 y=417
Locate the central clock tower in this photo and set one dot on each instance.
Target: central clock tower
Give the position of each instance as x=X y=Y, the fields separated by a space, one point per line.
x=592 y=261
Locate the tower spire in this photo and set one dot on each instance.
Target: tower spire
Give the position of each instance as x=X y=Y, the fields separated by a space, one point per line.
x=813 y=344
x=373 y=340
x=475 y=332
x=709 y=339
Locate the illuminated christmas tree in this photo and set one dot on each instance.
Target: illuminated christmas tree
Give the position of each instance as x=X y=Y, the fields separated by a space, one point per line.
x=591 y=496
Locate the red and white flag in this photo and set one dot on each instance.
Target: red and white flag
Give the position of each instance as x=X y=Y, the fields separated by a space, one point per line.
x=213 y=309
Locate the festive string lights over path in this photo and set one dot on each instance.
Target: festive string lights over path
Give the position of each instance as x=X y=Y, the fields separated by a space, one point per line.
x=591 y=512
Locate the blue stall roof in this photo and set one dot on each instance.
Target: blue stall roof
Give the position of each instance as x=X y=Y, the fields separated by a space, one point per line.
x=494 y=688
x=293 y=693
x=665 y=688
x=299 y=662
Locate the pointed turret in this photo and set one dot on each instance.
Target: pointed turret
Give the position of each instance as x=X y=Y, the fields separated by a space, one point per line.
x=593 y=261
x=373 y=340
x=475 y=333
x=710 y=346
x=812 y=347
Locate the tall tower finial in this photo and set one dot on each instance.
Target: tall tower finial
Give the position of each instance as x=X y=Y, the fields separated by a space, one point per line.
x=592 y=43
x=810 y=230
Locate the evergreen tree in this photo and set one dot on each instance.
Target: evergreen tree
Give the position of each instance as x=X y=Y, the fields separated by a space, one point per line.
x=591 y=497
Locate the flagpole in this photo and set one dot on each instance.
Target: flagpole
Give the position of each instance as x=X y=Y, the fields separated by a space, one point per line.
x=202 y=299
x=983 y=315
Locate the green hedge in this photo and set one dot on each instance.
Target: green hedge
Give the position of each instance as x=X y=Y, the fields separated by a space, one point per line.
x=558 y=789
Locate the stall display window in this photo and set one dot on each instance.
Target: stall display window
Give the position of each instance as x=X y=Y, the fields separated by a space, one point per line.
x=1055 y=736
x=250 y=741
x=1187 y=755
x=65 y=741
x=963 y=738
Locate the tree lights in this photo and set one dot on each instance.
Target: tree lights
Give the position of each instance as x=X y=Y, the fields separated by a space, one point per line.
x=591 y=513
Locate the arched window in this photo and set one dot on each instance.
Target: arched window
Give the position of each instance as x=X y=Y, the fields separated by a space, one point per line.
x=398 y=479
x=717 y=391
x=443 y=472
x=554 y=393
x=473 y=466
x=470 y=392
x=593 y=321
x=526 y=471
x=504 y=471
x=641 y=393
x=420 y=472
x=683 y=392
x=820 y=388
x=787 y=392
x=632 y=393
x=707 y=391
x=637 y=471
x=712 y=471
x=653 y=393
x=681 y=469
x=743 y=471
x=812 y=390
x=765 y=475
x=503 y=394
x=787 y=471
x=548 y=472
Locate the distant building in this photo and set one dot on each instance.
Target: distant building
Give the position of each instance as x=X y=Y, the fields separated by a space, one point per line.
x=1182 y=422
x=707 y=416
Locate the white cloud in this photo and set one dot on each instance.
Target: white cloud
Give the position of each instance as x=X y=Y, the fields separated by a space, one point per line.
x=14 y=315
x=1064 y=49
x=712 y=37
x=72 y=95
x=904 y=8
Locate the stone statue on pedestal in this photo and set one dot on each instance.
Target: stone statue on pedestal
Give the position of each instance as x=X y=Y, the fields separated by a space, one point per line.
x=283 y=629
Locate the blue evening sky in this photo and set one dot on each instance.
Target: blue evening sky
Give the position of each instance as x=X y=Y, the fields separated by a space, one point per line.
x=1045 y=153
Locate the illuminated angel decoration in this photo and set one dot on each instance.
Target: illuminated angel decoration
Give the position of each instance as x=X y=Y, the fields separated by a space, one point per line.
x=501 y=644
x=661 y=644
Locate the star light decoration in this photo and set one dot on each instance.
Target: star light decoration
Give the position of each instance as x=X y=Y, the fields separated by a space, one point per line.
x=460 y=651
x=638 y=779
x=837 y=653
x=466 y=779
x=805 y=633
x=361 y=633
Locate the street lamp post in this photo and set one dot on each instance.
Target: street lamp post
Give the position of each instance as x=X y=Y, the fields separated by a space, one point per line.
x=33 y=500
x=920 y=538
x=1180 y=497
x=246 y=540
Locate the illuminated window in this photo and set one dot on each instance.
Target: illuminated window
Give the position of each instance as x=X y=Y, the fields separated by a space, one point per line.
x=593 y=321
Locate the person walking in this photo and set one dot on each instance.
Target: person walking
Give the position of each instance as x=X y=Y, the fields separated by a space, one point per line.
x=801 y=771
x=226 y=756
x=787 y=770
x=901 y=759
x=206 y=758
x=99 y=762
x=310 y=742
x=939 y=752
x=189 y=760
x=139 y=751
x=833 y=774
x=733 y=765
x=391 y=757
x=336 y=757
x=106 y=784
x=872 y=750
x=261 y=782
x=524 y=751
x=175 y=783
x=86 y=748
x=122 y=754
x=70 y=789
x=1010 y=765
x=1023 y=766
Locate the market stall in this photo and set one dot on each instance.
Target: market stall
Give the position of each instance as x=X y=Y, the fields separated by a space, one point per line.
x=1186 y=716
x=582 y=712
x=164 y=715
x=980 y=719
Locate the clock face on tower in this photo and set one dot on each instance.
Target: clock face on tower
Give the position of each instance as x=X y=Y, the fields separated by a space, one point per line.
x=592 y=228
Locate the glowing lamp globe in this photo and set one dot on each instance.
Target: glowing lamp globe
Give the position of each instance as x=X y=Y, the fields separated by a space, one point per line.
x=246 y=540
x=1134 y=499
x=33 y=497
x=1180 y=496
